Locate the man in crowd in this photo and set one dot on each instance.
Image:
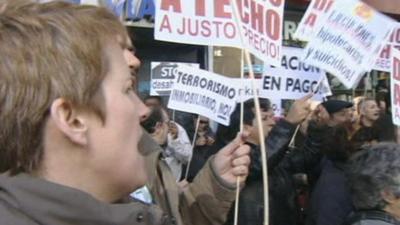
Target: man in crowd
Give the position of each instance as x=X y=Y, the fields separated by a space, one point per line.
x=338 y=112
x=202 y=150
x=177 y=144
x=175 y=152
x=282 y=163
x=328 y=173
x=365 y=129
x=70 y=127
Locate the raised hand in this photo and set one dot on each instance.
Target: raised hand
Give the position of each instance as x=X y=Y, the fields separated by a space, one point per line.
x=299 y=110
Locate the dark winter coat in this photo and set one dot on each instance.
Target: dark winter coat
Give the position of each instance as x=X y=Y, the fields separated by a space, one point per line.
x=330 y=200
x=282 y=164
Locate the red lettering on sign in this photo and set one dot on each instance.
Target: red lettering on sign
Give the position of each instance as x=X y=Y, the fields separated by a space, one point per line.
x=322 y=4
x=175 y=4
x=396 y=100
x=165 y=24
x=200 y=8
x=276 y=3
x=385 y=53
x=311 y=19
x=206 y=31
x=330 y=3
x=219 y=8
x=244 y=15
x=396 y=69
x=274 y=27
x=395 y=36
x=257 y=12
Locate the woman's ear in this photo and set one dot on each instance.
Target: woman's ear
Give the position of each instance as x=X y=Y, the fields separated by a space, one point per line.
x=70 y=121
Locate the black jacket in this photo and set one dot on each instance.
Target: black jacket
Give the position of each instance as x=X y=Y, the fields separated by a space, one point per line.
x=330 y=202
x=282 y=164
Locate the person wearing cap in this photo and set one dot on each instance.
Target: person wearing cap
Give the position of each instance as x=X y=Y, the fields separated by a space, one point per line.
x=338 y=111
x=330 y=201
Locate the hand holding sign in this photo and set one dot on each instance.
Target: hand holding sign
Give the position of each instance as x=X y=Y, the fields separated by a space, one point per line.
x=299 y=110
x=233 y=160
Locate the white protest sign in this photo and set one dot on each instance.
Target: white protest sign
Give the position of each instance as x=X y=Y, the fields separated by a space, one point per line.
x=162 y=77
x=245 y=88
x=312 y=17
x=211 y=22
x=384 y=61
x=204 y=93
x=292 y=72
x=348 y=40
x=278 y=83
x=395 y=87
x=294 y=79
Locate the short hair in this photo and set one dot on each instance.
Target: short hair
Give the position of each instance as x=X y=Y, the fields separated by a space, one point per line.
x=265 y=104
x=48 y=51
x=374 y=169
x=156 y=116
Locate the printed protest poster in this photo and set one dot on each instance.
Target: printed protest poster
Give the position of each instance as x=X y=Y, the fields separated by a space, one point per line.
x=395 y=87
x=384 y=61
x=245 y=88
x=204 y=93
x=162 y=77
x=348 y=40
x=312 y=17
x=294 y=79
x=212 y=22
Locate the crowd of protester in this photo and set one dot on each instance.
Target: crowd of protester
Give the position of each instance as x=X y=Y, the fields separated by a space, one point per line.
x=308 y=178
x=76 y=141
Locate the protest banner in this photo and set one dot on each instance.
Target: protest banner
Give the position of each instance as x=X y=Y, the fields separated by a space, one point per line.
x=395 y=87
x=245 y=89
x=211 y=22
x=348 y=40
x=162 y=77
x=277 y=82
x=294 y=79
x=204 y=93
x=312 y=17
x=384 y=61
